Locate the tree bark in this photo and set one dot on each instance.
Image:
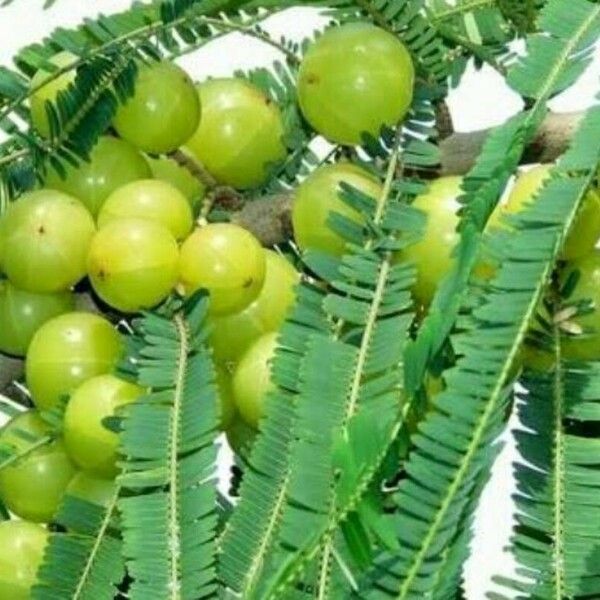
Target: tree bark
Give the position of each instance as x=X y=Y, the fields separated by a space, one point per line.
x=270 y=218
x=460 y=150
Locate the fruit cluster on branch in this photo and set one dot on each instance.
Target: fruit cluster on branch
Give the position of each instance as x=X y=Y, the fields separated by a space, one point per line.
x=188 y=264
x=270 y=218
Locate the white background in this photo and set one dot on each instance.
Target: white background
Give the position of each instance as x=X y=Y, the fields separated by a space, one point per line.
x=483 y=100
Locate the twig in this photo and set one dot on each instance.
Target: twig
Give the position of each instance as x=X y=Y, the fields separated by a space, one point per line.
x=270 y=218
x=195 y=167
x=443 y=119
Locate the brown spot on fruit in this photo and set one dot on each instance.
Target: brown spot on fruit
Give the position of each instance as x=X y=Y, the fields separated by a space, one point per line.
x=248 y=283
x=311 y=79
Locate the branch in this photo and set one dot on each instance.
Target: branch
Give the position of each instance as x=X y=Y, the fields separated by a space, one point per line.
x=270 y=218
x=183 y=159
x=460 y=150
x=443 y=119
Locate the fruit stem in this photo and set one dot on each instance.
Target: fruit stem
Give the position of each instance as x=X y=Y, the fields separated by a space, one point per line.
x=195 y=167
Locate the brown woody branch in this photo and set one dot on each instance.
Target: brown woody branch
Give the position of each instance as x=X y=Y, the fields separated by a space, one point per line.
x=460 y=150
x=270 y=218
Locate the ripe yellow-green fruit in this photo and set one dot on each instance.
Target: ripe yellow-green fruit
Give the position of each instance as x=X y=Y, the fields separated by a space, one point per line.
x=233 y=334
x=45 y=240
x=163 y=112
x=23 y=313
x=91 y=445
x=252 y=379
x=585 y=230
x=240 y=133
x=225 y=260
x=23 y=546
x=149 y=199
x=432 y=253
x=88 y=487
x=318 y=196
x=112 y=164
x=354 y=79
x=33 y=487
x=167 y=169
x=49 y=91
x=68 y=350
x=132 y=264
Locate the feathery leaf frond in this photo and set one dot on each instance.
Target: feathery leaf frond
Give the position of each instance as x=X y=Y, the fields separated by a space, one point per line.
x=484 y=184
x=251 y=532
x=478 y=26
x=369 y=305
x=522 y=14
x=364 y=301
x=168 y=440
x=456 y=442
x=556 y=541
x=569 y=32
x=85 y=562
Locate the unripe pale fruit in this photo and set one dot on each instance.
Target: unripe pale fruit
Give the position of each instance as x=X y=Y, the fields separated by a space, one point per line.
x=46 y=236
x=163 y=112
x=318 y=196
x=432 y=253
x=93 y=489
x=354 y=79
x=23 y=313
x=252 y=379
x=113 y=163
x=132 y=264
x=68 y=350
x=240 y=133
x=23 y=546
x=33 y=486
x=225 y=260
x=153 y=200
x=90 y=444
x=49 y=92
x=233 y=334
x=585 y=230
x=167 y=169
